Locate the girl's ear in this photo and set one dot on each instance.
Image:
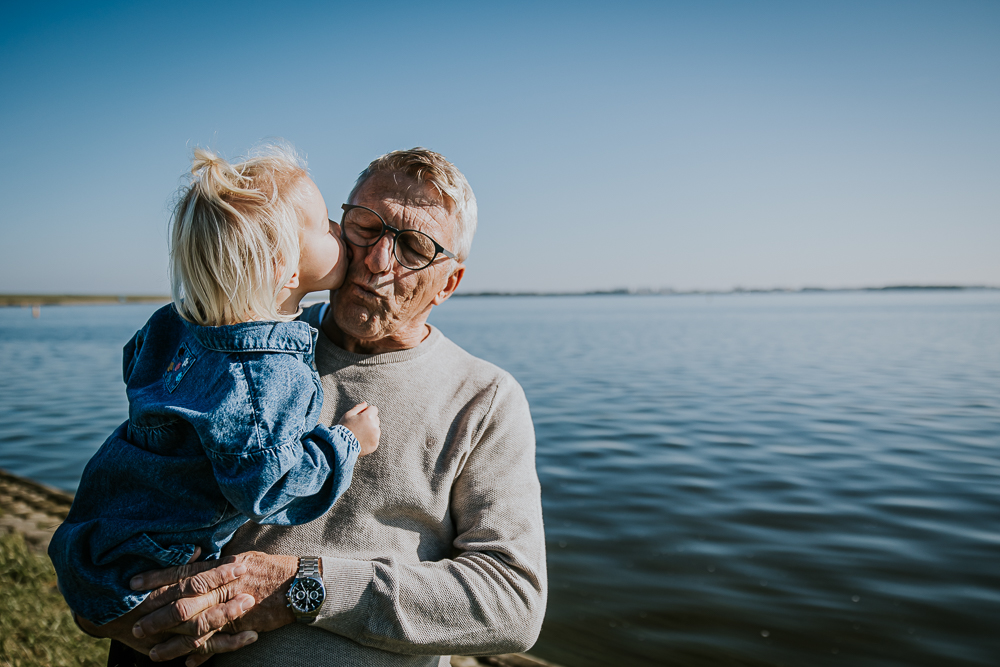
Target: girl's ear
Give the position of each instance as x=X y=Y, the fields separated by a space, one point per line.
x=293 y=282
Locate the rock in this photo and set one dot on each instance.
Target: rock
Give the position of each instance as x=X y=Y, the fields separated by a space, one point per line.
x=32 y=509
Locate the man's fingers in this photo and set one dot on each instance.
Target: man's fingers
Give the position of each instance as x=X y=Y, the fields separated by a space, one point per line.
x=147 y=581
x=210 y=580
x=217 y=617
x=179 y=611
x=200 y=584
x=220 y=643
x=163 y=609
x=223 y=643
x=175 y=647
x=178 y=646
x=196 y=659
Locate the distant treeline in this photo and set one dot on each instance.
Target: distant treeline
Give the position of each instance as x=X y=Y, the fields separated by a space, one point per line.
x=738 y=290
x=76 y=299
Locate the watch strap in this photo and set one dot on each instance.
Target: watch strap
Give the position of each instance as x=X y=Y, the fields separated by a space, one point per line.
x=310 y=567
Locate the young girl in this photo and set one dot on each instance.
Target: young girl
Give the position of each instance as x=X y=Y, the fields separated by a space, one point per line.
x=223 y=401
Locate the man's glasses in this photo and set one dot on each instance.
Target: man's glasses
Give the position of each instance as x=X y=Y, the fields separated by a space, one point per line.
x=364 y=228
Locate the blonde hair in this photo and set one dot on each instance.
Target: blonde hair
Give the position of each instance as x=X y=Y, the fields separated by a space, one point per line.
x=433 y=168
x=234 y=242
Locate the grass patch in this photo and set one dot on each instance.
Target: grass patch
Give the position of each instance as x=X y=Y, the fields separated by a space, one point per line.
x=36 y=628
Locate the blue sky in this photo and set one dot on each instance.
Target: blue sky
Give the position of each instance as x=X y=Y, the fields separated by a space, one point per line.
x=685 y=145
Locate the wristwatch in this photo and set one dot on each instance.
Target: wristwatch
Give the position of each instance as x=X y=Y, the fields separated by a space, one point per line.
x=306 y=594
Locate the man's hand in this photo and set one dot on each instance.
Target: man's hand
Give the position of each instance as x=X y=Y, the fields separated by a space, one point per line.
x=209 y=601
x=363 y=422
x=185 y=592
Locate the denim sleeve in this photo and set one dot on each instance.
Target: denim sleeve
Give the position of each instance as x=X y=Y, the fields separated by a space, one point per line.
x=291 y=470
x=130 y=353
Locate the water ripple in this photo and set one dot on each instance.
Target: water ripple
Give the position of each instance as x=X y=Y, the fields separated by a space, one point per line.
x=756 y=480
x=741 y=480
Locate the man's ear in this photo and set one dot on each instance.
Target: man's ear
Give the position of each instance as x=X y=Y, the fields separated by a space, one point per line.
x=293 y=282
x=450 y=286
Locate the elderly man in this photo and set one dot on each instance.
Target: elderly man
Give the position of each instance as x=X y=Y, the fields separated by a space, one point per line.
x=437 y=548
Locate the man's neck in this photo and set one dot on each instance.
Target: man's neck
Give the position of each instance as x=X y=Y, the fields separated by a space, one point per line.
x=399 y=340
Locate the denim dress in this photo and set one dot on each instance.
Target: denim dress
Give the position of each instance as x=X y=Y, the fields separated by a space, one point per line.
x=222 y=429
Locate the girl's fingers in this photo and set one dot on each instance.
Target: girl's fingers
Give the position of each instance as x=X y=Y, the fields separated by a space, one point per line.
x=357 y=409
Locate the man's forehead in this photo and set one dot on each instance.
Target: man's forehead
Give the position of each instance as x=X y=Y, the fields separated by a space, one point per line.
x=401 y=189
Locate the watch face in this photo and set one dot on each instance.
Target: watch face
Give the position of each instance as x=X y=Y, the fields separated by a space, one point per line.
x=306 y=595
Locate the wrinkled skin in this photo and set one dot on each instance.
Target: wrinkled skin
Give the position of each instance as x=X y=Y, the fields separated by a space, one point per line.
x=383 y=306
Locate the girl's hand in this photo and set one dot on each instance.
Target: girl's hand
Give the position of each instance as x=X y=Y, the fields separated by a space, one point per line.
x=363 y=422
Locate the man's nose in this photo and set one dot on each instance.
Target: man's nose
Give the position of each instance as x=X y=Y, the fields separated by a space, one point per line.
x=379 y=258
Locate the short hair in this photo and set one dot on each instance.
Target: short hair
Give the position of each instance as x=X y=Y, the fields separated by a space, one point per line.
x=234 y=241
x=427 y=166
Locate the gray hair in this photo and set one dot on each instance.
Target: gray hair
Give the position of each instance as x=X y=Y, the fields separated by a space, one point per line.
x=433 y=168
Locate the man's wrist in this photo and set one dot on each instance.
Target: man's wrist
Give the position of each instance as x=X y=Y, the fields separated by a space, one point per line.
x=306 y=594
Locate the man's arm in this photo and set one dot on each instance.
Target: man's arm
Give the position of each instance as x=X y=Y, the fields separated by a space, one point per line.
x=489 y=598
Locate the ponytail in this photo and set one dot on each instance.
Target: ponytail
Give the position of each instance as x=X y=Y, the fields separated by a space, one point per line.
x=235 y=236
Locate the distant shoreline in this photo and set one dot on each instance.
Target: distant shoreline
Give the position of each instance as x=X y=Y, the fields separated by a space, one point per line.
x=738 y=290
x=30 y=300
x=26 y=300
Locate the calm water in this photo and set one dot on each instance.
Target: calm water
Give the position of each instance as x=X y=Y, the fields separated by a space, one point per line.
x=730 y=480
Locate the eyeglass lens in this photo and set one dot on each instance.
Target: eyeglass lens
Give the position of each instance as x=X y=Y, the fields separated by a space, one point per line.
x=413 y=249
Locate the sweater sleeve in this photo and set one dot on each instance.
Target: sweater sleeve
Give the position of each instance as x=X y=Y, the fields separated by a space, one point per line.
x=490 y=597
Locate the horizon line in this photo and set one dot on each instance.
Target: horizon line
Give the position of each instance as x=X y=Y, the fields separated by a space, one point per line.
x=42 y=299
x=667 y=291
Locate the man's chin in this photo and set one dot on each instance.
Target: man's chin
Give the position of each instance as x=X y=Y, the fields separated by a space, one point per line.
x=356 y=318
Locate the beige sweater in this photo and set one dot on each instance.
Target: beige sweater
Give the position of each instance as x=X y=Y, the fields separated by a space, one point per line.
x=437 y=548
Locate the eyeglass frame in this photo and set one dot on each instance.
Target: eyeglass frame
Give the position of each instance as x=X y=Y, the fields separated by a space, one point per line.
x=386 y=227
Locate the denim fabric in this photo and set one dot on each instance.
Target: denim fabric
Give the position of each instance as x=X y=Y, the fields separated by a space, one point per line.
x=222 y=428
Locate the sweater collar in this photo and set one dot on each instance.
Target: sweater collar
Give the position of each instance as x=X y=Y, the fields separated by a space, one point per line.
x=330 y=352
